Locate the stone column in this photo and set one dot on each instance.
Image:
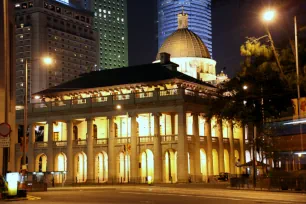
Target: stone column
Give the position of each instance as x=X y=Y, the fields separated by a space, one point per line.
x=172 y=123
x=207 y=129
x=111 y=151
x=90 y=156
x=232 y=148
x=219 y=134
x=196 y=151
x=50 y=159
x=31 y=159
x=182 y=160
x=134 y=140
x=158 y=157
x=70 y=167
x=242 y=145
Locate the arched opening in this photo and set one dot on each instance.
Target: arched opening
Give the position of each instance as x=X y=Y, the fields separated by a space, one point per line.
x=95 y=131
x=203 y=164
x=147 y=166
x=80 y=167
x=60 y=167
x=123 y=167
x=247 y=156
x=170 y=166
x=215 y=162
x=75 y=133
x=226 y=161
x=101 y=167
x=41 y=163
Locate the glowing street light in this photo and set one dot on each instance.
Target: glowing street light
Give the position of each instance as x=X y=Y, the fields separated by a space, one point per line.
x=268 y=15
x=47 y=60
x=118 y=107
x=245 y=87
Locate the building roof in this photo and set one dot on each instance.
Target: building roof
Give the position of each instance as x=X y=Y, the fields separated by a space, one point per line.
x=121 y=76
x=184 y=43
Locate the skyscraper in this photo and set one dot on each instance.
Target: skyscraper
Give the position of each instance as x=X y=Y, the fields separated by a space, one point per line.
x=57 y=29
x=199 y=12
x=110 y=21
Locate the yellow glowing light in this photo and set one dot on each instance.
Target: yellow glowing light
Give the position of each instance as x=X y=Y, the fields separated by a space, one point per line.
x=37 y=97
x=245 y=87
x=300 y=155
x=269 y=15
x=47 y=60
x=12 y=180
x=118 y=107
x=149 y=180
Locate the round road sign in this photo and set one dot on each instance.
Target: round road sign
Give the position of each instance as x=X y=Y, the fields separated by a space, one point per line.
x=5 y=129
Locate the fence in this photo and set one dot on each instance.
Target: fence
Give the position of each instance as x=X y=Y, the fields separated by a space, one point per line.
x=270 y=183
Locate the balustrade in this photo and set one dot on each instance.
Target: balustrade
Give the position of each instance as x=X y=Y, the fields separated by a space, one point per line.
x=203 y=139
x=214 y=139
x=38 y=145
x=169 y=138
x=146 y=139
x=226 y=140
x=189 y=138
x=123 y=140
x=132 y=98
x=80 y=142
x=103 y=141
x=236 y=141
x=59 y=143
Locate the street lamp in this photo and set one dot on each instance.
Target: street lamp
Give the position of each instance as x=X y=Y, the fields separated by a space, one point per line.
x=47 y=61
x=245 y=87
x=268 y=16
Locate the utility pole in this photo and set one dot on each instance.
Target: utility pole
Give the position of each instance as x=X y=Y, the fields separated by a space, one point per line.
x=6 y=81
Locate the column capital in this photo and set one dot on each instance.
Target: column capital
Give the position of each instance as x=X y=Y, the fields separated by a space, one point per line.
x=195 y=114
x=90 y=119
x=157 y=114
x=132 y=114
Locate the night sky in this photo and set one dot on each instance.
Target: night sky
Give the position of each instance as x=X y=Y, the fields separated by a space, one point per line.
x=232 y=22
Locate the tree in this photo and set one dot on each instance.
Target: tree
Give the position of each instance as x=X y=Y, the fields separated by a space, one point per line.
x=255 y=95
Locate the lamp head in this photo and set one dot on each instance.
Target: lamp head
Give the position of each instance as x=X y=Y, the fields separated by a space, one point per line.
x=268 y=15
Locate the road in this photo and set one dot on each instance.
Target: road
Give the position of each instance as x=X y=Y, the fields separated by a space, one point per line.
x=161 y=195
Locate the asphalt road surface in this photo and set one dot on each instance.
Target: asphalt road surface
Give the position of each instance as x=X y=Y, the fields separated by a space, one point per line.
x=160 y=195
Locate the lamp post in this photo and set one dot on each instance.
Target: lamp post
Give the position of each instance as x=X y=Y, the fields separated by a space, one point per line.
x=47 y=61
x=269 y=16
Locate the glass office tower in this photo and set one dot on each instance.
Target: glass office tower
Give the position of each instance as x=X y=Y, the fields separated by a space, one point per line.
x=110 y=21
x=199 y=12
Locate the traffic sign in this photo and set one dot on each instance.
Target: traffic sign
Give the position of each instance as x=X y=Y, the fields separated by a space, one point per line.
x=5 y=129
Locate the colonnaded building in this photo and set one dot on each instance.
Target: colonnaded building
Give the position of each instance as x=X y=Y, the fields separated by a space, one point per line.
x=134 y=124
